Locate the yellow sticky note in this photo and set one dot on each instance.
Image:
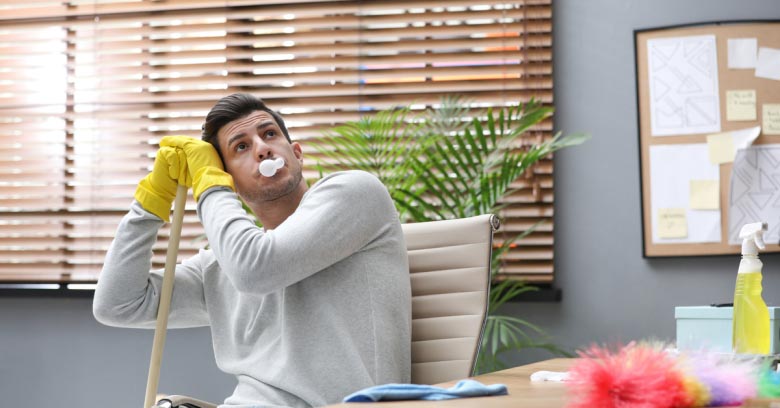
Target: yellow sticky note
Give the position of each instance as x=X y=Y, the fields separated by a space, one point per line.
x=771 y=115
x=721 y=148
x=741 y=104
x=672 y=223
x=704 y=195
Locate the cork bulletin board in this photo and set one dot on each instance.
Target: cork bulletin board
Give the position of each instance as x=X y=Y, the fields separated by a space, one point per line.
x=708 y=98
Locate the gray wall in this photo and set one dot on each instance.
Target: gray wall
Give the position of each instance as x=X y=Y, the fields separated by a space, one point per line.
x=610 y=293
x=52 y=351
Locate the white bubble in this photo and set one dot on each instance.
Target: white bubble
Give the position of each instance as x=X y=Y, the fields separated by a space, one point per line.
x=269 y=167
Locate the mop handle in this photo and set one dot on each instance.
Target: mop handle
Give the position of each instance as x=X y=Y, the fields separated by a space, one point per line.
x=165 y=297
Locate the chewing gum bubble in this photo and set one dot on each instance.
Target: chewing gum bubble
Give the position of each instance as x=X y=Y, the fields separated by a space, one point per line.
x=268 y=167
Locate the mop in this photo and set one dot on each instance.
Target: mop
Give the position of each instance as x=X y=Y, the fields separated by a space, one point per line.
x=165 y=296
x=267 y=168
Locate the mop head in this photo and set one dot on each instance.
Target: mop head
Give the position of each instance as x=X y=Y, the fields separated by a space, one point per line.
x=646 y=375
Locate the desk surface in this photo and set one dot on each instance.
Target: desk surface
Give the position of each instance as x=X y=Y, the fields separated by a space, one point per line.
x=522 y=392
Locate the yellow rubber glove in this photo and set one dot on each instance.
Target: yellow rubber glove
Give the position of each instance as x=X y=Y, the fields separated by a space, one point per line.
x=203 y=163
x=157 y=190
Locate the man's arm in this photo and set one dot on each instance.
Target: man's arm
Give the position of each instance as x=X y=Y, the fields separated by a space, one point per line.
x=340 y=215
x=128 y=294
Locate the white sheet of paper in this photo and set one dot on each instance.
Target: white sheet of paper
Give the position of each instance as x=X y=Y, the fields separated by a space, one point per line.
x=768 y=63
x=683 y=81
x=672 y=167
x=754 y=194
x=744 y=138
x=742 y=52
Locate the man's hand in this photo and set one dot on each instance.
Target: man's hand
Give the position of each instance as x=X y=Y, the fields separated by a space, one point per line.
x=204 y=166
x=157 y=190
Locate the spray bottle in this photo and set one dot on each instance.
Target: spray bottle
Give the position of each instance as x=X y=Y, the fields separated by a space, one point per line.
x=751 y=316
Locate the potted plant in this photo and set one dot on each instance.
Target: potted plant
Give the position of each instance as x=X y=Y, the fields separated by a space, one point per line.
x=443 y=164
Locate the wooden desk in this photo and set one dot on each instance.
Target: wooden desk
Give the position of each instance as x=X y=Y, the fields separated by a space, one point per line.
x=522 y=392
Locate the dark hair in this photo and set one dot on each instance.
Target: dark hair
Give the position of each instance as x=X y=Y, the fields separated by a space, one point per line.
x=234 y=107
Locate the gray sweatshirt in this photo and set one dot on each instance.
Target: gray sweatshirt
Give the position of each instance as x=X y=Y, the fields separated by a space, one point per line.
x=303 y=314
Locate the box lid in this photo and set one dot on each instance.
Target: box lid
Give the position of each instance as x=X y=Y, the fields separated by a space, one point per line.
x=703 y=312
x=710 y=312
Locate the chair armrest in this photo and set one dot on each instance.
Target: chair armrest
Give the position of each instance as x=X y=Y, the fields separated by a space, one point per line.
x=173 y=401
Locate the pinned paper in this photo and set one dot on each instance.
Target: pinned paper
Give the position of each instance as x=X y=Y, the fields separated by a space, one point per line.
x=771 y=115
x=742 y=52
x=743 y=138
x=672 y=223
x=741 y=105
x=722 y=147
x=683 y=81
x=753 y=191
x=768 y=63
x=672 y=167
x=704 y=195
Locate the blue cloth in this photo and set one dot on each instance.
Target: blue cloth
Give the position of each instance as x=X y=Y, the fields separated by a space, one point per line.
x=398 y=392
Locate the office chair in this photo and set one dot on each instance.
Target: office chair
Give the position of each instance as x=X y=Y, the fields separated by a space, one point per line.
x=449 y=265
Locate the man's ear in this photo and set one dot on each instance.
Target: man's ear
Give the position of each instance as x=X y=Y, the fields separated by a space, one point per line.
x=297 y=151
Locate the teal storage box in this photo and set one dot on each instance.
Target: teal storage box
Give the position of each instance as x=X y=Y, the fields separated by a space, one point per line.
x=709 y=328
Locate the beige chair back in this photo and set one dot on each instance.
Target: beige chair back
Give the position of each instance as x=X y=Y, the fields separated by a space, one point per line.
x=449 y=263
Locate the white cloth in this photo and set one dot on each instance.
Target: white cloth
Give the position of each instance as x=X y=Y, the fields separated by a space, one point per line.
x=552 y=376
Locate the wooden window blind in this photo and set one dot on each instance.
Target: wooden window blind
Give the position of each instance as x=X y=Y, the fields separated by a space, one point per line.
x=87 y=89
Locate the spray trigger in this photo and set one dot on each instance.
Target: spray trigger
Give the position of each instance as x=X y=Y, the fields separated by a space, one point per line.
x=752 y=236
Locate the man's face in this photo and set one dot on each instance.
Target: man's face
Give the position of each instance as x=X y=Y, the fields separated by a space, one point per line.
x=247 y=141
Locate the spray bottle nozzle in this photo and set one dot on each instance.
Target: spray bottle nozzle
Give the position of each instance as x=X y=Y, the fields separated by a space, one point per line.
x=752 y=236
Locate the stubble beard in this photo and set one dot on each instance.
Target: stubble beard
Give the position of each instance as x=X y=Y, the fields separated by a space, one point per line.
x=275 y=191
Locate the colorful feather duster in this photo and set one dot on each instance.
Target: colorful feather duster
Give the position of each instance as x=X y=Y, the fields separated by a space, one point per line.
x=769 y=383
x=646 y=375
x=730 y=379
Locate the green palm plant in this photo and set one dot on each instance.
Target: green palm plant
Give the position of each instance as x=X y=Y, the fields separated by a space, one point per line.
x=441 y=164
x=377 y=144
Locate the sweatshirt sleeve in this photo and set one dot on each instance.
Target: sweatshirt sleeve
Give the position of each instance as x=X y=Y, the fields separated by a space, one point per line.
x=340 y=215
x=128 y=294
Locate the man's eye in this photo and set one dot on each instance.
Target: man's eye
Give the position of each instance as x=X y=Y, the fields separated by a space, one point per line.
x=270 y=133
x=241 y=147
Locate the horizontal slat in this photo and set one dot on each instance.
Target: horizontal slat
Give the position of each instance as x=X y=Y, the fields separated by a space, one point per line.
x=452 y=304
x=452 y=280
x=200 y=48
x=440 y=371
x=445 y=327
x=377 y=102
x=450 y=257
x=455 y=349
x=433 y=73
x=186 y=9
x=488 y=21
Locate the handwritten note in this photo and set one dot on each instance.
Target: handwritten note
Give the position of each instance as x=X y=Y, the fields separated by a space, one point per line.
x=721 y=148
x=741 y=104
x=672 y=223
x=771 y=115
x=704 y=195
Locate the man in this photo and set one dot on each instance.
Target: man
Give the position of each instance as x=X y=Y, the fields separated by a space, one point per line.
x=304 y=311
